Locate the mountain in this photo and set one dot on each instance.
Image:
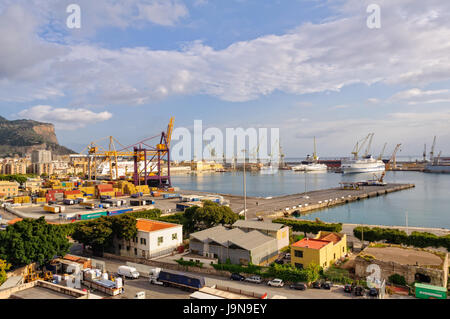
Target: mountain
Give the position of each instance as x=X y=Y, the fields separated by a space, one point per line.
x=23 y=136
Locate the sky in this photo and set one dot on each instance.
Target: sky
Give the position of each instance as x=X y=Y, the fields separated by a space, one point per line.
x=308 y=67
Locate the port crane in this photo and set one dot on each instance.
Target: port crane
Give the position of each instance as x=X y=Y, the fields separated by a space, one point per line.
x=424 y=153
x=432 y=149
x=391 y=159
x=153 y=157
x=367 y=152
x=382 y=152
x=359 y=145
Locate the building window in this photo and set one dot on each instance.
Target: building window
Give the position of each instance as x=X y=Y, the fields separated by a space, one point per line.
x=160 y=240
x=334 y=257
x=298 y=253
x=343 y=249
x=143 y=241
x=120 y=247
x=135 y=251
x=299 y=266
x=174 y=236
x=128 y=248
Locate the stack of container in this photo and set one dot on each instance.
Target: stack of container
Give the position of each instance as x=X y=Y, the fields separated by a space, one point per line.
x=39 y=200
x=105 y=190
x=55 y=195
x=21 y=200
x=72 y=194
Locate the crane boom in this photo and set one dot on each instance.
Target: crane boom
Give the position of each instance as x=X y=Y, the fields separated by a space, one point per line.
x=382 y=152
x=359 y=145
x=432 y=149
x=366 y=153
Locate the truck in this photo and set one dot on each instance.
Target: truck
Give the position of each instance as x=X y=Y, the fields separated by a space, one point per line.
x=185 y=281
x=127 y=271
x=153 y=275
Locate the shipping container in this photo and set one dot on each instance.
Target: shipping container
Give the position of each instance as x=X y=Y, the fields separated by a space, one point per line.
x=166 y=196
x=119 y=211
x=181 y=280
x=92 y=215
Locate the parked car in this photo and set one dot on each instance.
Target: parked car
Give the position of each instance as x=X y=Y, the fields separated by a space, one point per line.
x=359 y=291
x=128 y=272
x=254 y=279
x=236 y=276
x=298 y=286
x=348 y=288
x=327 y=285
x=276 y=283
x=317 y=284
x=373 y=292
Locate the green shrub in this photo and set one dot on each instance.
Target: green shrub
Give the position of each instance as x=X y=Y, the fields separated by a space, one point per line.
x=189 y=263
x=309 y=226
x=397 y=279
x=396 y=236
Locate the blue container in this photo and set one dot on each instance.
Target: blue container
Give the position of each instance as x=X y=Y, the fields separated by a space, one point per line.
x=181 y=280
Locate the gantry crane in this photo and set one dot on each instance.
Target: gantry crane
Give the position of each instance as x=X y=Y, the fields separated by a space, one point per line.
x=151 y=155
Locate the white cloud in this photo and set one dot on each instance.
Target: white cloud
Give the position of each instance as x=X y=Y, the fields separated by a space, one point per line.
x=418 y=96
x=411 y=48
x=63 y=118
x=163 y=12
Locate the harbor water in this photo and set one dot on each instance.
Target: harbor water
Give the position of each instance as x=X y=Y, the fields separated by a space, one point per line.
x=426 y=205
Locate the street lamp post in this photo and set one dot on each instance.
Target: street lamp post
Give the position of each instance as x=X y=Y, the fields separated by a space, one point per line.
x=245 y=191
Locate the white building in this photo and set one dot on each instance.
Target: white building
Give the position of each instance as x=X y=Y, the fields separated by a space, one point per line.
x=154 y=239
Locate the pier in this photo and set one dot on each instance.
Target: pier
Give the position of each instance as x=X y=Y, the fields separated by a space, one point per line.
x=273 y=207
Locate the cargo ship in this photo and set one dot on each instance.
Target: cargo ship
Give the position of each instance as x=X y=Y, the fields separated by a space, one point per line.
x=440 y=166
x=311 y=164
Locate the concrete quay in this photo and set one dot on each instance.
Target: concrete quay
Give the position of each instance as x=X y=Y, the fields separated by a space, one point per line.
x=273 y=207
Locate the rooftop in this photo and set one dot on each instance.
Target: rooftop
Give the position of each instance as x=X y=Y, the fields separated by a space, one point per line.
x=335 y=238
x=149 y=225
x=311 y=243
x=15 y=220
x=404 y=256
x=260 y=225
x=227 y=237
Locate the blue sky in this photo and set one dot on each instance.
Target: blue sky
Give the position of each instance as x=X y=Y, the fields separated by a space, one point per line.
x=309 y=67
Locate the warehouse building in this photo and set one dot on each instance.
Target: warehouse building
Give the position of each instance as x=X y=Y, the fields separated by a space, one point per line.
x=278 y=231
x=154 y=239
x=323 y=250
x=236 y=245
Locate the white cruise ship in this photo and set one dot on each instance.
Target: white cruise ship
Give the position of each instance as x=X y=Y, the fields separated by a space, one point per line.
x=364 y=165
x=311 y=164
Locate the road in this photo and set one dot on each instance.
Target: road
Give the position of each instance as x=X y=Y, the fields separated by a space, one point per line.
x=132 y=286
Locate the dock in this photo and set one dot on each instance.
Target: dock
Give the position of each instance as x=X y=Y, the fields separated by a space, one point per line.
x=302 y=203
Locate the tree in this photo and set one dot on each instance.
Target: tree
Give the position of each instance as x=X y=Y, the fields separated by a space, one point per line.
x=124 y=227
x=313 y=272
x=4 y=266
x=211 y=214
x=97 y=234
x=32 y=240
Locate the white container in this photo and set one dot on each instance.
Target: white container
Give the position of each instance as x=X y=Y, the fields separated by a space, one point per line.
x=105 y=276
x=119 y=282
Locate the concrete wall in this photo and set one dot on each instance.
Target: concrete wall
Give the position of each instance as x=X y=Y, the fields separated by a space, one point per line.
x=438 y=277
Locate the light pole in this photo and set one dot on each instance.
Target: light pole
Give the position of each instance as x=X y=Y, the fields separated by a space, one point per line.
x=245 y=191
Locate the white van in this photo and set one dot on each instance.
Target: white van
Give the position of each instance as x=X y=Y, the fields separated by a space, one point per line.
x=127 y=271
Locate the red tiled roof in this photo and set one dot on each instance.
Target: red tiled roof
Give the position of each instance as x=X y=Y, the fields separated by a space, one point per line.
x=151 y=225
x=311 y=243
x=331 y=237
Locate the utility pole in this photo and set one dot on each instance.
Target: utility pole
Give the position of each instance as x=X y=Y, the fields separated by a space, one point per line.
x=407 y=233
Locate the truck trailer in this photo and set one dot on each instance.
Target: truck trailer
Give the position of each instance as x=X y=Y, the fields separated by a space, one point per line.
x=185 y=281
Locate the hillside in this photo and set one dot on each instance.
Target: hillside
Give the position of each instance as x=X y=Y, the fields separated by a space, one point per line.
x=23 y=136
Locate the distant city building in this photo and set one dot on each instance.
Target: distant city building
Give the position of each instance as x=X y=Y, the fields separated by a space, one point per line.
x=41 y=156
x=9 y=189
x=323 y=250
x=43 y=168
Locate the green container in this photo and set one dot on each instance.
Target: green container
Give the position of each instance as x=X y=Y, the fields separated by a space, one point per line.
x=430 y=292
x=93 y=215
